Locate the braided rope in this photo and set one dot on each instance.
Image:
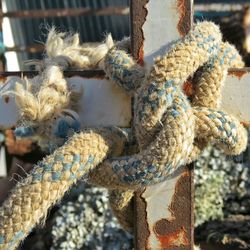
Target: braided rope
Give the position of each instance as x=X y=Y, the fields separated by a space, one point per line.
x=170 y=131
x=165 y=97
x=165 y=122
x=51 y=178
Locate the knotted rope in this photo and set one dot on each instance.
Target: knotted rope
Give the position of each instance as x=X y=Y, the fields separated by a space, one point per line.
x=170 y=131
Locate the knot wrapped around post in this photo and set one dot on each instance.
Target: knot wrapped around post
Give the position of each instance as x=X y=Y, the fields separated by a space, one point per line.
x=170 y=129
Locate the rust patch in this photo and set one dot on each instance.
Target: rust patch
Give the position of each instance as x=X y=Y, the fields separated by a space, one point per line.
x=141 y=56
x=3 y=78
x=177 y=238
x=141 y=229
x=138 y=14
x=184 y=8
x=17 y=147
x=188 y=88
x=6 y=99
x=238 y=72
x=178 y=234
x=245 y=123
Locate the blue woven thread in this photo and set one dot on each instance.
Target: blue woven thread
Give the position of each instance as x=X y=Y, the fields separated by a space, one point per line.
x=24 y=131
x=56 y=175
x=132 y=172
x=164 y=92
x=37 y=177
x=222 y=117
x=206 y=40
x=121 y=71
x=222 y=59
x=63 y=128
x=19 y=235
x=67 y=166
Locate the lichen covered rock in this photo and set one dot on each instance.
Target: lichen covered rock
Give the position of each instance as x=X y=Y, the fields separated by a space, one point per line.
x=87 y=223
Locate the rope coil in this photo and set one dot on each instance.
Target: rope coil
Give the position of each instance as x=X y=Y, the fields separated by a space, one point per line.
x=170 y=130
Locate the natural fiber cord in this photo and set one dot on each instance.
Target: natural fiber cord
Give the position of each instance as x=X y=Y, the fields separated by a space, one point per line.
x=170 y=130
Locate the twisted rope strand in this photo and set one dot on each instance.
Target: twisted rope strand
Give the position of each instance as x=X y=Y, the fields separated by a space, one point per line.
x=30 y=200
x=210 y=80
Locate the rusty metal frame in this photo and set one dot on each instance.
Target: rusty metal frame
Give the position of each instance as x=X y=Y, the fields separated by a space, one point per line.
x=67 y=73
x=183 y=200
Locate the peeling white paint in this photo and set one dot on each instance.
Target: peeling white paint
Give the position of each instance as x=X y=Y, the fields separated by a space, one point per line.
x=158 y=199
x=3 y=167
x=160 y=29
x=236 y=97
x=103 y=104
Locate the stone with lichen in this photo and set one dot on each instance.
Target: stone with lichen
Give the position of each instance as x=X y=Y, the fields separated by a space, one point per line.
x=222 y=196
x=87 y=223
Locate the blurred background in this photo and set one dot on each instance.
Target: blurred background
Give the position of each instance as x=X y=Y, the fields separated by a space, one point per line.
x=83 y=219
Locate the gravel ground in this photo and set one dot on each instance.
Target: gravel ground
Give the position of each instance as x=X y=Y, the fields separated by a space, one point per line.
x=82 y=220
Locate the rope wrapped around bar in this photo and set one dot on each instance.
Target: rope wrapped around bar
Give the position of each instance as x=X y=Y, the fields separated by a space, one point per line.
x=170 y=130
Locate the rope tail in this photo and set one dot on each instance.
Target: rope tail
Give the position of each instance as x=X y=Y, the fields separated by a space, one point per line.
x=30 y=200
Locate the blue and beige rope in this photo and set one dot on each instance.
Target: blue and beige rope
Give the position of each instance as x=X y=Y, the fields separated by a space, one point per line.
x=170 y=131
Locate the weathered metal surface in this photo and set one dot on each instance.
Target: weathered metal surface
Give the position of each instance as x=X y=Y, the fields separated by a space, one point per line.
x=164 y=217
x=169 y=226
x=36 y=48
x=103 y=103
x=66 y=12
x=138 y=13
x=67 y=73
x=164 y=214
x=235 y=95
x=166 y=21
x=218 y=7
x=3 y=167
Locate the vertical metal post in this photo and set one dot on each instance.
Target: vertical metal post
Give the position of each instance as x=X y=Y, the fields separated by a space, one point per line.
x=164 y=212
x=3 y=168
x=2 y=58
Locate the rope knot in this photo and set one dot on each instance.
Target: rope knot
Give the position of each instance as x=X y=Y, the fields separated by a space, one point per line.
x=170 y=129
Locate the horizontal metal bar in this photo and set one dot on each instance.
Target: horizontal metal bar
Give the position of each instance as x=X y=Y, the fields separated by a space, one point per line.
x=220 y=7
x=235 y=71
x=67 y=73
x=97 y=73
x=36 y=48
x=121 y=10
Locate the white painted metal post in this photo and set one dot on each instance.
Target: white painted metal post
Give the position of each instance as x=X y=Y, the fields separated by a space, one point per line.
x=164 y=217
x=164 y=212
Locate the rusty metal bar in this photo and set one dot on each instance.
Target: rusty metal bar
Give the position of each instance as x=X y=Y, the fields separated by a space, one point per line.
x=219 y=7
x=36 y=48
x=2 y=57
x=68 y=73
x=121 y=10
x=176 y=233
